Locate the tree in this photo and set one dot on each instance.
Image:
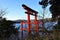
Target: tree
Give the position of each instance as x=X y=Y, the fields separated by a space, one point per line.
x=55 y=7
x=2 y=12
x=44 y=3
x=55 y=10
x=6 y=27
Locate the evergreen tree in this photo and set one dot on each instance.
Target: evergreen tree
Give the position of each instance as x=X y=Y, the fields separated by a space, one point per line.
x=7 y=28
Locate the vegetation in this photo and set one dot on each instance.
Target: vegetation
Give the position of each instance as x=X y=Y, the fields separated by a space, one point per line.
x=6 y=27
x=55 y=10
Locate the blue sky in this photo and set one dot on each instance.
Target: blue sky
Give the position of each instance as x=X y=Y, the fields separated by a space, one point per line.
x=15 y=10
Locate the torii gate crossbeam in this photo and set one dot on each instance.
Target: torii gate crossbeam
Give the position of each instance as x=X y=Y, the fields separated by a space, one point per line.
x=29 y=12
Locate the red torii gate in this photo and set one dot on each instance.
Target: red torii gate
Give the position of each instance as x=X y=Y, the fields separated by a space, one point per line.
x=29 y=12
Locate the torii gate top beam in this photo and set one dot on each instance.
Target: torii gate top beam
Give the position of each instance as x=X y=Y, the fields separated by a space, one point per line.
x=29 y=9
x=29 y=12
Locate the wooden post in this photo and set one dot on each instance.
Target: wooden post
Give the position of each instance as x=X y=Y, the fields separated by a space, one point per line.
x=21 y=28
x=28 y=16
x=36 y=22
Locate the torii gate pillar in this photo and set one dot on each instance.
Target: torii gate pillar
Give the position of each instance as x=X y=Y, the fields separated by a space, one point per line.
x=29 y=12
x=28 y=16
x=36 y=22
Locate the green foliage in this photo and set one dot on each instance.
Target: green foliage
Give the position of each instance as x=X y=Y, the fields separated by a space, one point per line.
x=44 y=3
x=55 y=7
x=7 y=28
x=57 y=27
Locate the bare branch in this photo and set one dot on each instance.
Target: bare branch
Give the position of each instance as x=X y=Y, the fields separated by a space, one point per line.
x=2 y=12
